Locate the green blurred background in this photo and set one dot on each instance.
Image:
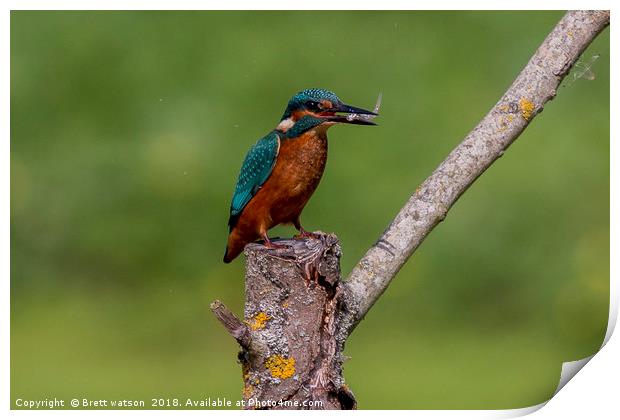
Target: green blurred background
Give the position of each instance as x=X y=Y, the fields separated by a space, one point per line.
x=127 y=133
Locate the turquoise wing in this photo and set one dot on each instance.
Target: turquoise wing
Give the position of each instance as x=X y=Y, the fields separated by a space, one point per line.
x=255 y=170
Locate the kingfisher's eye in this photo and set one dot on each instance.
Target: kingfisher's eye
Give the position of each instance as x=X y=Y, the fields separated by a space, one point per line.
x=313 y=105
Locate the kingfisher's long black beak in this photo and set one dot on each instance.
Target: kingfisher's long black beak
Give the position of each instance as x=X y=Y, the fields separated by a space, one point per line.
x=354 y=115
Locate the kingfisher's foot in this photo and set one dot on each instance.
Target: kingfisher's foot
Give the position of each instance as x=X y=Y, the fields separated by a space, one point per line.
x=272 y=245
x=304 y=234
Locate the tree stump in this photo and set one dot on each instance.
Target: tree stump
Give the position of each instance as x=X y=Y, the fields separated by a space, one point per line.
x=291 y=349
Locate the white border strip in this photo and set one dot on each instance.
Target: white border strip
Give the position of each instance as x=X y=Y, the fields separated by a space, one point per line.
x=597 y=385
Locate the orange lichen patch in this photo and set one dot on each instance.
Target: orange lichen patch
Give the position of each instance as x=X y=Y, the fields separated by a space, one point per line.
x=280 y=367
x=259 y=321
x=527 y=108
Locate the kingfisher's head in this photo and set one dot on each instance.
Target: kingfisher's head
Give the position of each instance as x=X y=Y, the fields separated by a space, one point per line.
x=322 y=105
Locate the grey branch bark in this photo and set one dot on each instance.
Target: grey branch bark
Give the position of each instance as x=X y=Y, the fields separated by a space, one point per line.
x=298 y=311
x=429 y=204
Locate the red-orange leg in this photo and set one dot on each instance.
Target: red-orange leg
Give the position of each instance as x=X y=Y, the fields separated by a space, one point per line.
x=303 y=233
x=267 y=242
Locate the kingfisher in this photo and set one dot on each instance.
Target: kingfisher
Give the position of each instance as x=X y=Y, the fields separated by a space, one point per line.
x=283 y=169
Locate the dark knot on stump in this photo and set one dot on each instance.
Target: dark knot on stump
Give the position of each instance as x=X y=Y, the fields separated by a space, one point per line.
x=309 y=254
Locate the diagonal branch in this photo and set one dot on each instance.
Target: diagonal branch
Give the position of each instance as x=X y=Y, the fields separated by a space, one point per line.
x=533 y=88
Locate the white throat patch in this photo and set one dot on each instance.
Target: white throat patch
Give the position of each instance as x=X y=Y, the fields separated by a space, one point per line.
x=285 y=124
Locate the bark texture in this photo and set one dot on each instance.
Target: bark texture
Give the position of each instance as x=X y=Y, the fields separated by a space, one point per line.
x=290 y=355
x=298 y=312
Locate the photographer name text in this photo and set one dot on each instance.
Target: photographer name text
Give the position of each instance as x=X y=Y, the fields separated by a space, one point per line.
x=163 y=403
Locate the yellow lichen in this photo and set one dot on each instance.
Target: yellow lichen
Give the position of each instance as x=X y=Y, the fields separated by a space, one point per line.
x=527 y=108
x=503 y=122
x=259 y=321
x=280 y=367
x=285 y=305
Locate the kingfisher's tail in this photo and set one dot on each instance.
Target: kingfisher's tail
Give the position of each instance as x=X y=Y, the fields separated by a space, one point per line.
x=231 y=254
x=234 y=247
